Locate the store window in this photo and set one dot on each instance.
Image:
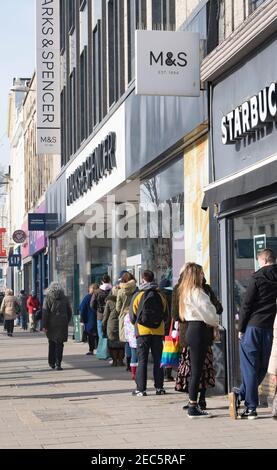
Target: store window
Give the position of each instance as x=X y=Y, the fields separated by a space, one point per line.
x=162 y=199
x=252 y=232
x=64 y=263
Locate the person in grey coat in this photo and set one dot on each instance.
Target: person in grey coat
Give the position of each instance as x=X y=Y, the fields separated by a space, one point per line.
x=56 y=316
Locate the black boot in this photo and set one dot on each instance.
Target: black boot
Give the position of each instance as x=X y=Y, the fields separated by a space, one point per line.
x=168 y=375
x=113 y=353
x=202 y=399
x=120 y=357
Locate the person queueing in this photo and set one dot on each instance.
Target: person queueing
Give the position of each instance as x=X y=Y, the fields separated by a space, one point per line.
x=148 y=312
x=89 y=319
x=184 y=370
x=272 y=367
x=56 y=315
x=33 y=305
x=167 y=291
x=110 y=326
x=98 y=301
x=127 y=288
x=199 y=313
x=22 y=299
x=256 y=319
x=9 y=308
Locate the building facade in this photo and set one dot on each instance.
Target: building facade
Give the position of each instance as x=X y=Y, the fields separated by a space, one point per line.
x=241 y=195
x=29 y=179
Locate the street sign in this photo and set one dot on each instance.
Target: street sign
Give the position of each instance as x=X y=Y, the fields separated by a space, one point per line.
x=42 y=222
x=19 y=236
x=259 y=245
x=15 y=261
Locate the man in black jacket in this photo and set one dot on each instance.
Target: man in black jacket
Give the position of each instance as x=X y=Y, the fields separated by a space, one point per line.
x=256 y=320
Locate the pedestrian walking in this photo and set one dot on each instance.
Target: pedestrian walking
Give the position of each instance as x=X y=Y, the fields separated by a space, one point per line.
x=197 y=310
x=127 y=288
x=98 y=301
x=88 y=317
x=110 y=326
x=10 y=308
x=148 y=312
x=56 y=316
x=256 y=319
x=22 y=299
x=272 y=367
x=33 y=306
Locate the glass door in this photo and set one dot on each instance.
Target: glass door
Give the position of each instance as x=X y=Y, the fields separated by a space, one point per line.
x=252 y=232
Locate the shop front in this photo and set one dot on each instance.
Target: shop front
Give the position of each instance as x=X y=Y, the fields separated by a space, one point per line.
x=243 y=194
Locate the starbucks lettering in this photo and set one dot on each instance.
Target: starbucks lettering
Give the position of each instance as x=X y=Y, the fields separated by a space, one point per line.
x=250 y=115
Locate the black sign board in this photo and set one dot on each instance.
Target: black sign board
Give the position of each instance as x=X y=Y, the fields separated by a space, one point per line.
x=15 y=261
x=42 y=222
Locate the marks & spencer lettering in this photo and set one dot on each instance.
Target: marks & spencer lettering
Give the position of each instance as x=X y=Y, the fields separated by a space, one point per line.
x=98 y=164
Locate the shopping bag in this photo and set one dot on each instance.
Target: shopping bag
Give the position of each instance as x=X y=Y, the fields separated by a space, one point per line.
x=171 y=349
x=102 y=349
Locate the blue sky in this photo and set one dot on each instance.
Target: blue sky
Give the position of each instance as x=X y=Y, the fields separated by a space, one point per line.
x=17 y=52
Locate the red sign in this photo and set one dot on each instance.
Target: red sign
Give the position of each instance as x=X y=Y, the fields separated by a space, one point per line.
x=3 y=252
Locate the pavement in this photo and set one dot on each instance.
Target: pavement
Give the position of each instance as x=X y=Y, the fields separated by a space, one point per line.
x=89 y=405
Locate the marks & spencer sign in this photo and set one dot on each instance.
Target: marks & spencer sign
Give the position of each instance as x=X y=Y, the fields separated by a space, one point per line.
x=48 y=76
x=97 y=165
x=167 y=63
x=250 y=115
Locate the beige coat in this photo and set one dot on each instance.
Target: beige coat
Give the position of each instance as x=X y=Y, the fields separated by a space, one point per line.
x=124 y=298
x=272 y=367
x=10 y=307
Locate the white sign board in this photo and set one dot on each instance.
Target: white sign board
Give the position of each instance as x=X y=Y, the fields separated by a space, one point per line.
x=48 y=77
x=110 y=180
x=167 y=63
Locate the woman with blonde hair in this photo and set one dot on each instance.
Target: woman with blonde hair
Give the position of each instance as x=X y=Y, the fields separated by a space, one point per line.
x=196 y=308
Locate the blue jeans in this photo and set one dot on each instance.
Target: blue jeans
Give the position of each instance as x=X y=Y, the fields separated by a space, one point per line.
x=99 y=328
x=255 y=349
x=134 y=357
x=128 y=352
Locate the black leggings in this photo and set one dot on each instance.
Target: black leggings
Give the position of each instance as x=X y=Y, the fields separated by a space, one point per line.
x=9 y=326
x=197 y=338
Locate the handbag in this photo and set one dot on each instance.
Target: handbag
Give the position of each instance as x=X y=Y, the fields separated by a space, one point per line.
x=102 y=349
x=171 y=349
x=38 y=315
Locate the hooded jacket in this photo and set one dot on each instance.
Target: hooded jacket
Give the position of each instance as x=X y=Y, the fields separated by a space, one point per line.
x=10 y=306
x=134 y=308
x=98 y=300
x=259 y=304
x=124 y=298
x=56 y=314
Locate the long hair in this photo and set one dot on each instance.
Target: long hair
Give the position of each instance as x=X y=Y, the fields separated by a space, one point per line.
x=191 y=279
x=93 y=288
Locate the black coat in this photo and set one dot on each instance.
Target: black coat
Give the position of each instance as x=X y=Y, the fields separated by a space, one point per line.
x=56 y=315
x=259 y=303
